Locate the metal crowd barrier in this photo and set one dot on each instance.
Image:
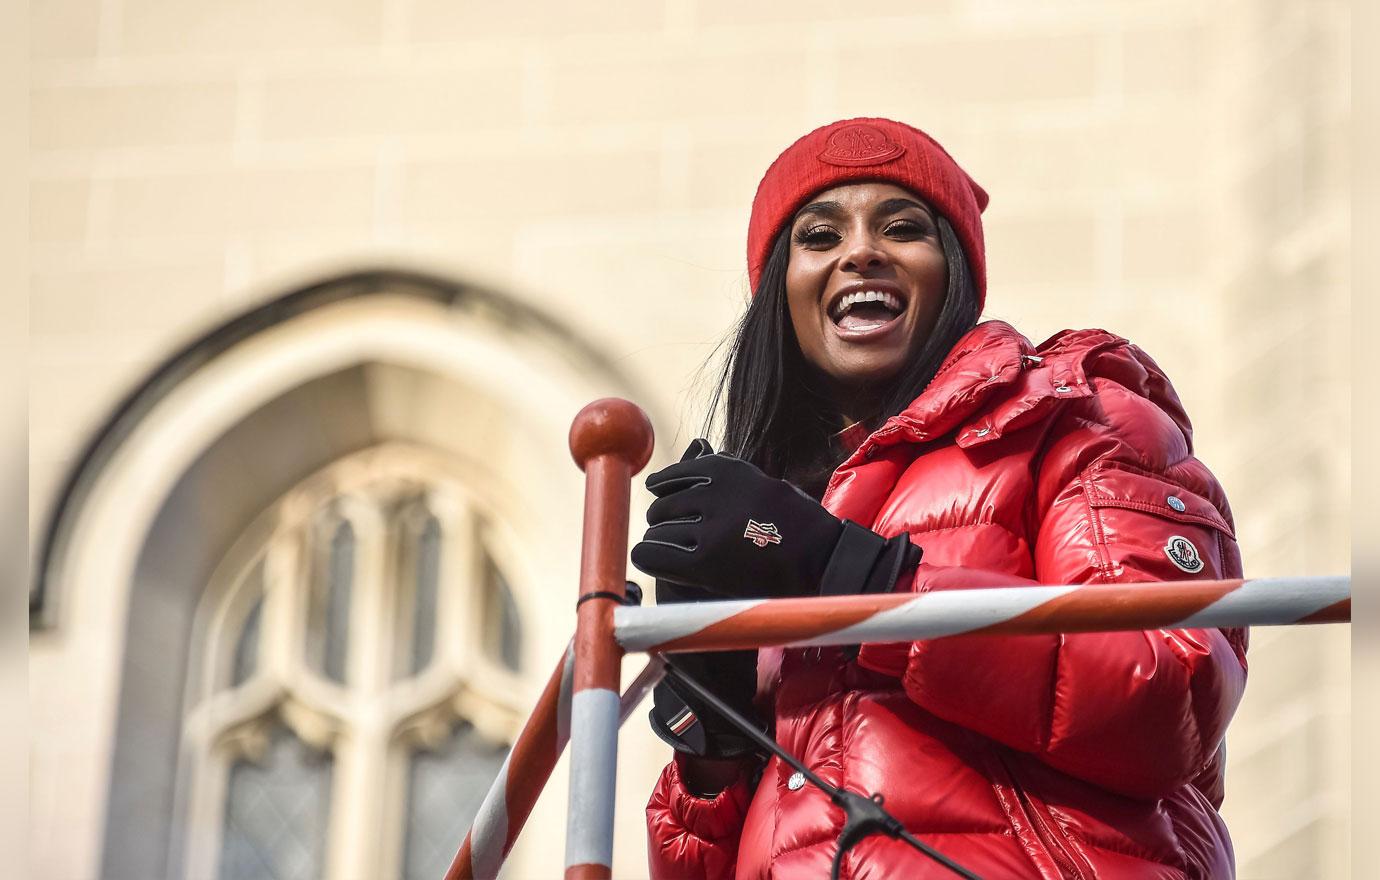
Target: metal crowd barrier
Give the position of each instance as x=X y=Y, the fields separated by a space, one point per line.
x=611 y=440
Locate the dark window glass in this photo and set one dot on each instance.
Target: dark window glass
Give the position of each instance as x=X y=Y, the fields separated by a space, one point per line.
x=428 y=576
x=502 y=626
x=445 y=788
x=328 y=637
x=276 y=813
x=247 y=645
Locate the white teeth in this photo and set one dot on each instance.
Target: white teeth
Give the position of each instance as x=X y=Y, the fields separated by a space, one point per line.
x=847 y=302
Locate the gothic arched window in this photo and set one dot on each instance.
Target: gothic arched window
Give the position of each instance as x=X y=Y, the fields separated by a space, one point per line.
x=357 y=688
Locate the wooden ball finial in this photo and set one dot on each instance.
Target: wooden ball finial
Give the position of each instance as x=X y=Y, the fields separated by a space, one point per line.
x=612 y=426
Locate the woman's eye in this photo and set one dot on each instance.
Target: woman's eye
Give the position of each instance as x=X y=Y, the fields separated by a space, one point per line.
x=907 y=228
x=816 y=236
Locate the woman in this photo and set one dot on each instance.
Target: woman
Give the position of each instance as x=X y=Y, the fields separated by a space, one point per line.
x=878 y=438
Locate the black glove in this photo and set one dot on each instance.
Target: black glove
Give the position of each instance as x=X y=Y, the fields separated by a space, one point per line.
x=721 y=524
x=687 y=723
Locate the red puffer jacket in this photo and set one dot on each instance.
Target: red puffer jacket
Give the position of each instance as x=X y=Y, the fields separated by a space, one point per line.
x=1075 y=756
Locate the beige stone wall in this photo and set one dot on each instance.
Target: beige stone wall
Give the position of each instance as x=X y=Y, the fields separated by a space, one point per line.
x=1175 y=171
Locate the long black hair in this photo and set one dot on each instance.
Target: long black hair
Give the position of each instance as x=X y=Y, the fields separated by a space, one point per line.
x=773 y=416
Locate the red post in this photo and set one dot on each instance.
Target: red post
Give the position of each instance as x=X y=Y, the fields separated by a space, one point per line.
x=611 y=440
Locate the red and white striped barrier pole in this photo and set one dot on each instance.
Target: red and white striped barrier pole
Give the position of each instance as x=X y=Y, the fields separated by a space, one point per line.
x=527 y=768
x=852 y=620
x=611 y=440
x=520 y=780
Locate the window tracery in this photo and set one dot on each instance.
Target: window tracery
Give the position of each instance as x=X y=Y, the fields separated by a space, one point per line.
x=359 y=678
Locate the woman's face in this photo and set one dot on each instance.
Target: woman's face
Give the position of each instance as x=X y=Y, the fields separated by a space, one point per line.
x=864 y=285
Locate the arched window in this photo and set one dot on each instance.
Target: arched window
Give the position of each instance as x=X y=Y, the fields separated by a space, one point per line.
x=354 y=693
x=217 y=627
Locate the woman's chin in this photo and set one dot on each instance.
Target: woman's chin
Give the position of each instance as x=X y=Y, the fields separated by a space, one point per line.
x=865 y=368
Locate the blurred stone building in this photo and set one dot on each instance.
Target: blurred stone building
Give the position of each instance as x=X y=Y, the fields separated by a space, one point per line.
x=319 y=286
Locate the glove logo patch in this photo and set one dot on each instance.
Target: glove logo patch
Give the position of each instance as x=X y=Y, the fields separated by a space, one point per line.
x=1183 y=554
x=762 y=534
x=684 y=720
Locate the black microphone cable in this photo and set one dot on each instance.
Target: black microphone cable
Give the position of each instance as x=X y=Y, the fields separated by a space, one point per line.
x=863 y=816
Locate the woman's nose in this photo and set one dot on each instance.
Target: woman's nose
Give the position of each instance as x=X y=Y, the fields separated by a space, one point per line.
x=863 y=255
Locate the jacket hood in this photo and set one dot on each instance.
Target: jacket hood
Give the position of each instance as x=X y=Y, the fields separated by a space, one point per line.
x=996 y=381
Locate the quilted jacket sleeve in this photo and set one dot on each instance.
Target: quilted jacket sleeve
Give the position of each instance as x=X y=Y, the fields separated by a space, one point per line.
x=694 y=838
x=1119 y=498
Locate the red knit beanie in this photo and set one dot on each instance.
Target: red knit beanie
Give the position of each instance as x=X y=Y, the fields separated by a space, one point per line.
x=867 y=149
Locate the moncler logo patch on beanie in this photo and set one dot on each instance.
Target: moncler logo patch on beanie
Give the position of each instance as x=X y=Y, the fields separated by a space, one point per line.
x=860 y=144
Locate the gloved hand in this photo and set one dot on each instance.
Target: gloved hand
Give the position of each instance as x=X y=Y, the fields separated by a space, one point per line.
x=685 y=722
x=721 y=524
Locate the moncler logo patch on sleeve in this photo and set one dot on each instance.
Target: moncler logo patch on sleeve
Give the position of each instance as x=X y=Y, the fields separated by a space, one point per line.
x=1183 y=554
x=762 y=534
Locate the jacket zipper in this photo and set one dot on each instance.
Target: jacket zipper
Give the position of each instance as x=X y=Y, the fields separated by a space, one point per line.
x=1051 y=838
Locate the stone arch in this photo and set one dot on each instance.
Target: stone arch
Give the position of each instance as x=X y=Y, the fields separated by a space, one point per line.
x=230 y=423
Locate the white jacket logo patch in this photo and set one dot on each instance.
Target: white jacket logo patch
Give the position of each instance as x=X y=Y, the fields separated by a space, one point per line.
x=1182 y=553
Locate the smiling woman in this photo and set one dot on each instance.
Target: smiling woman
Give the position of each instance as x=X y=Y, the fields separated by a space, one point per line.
x=887 y=441
x=862 y=297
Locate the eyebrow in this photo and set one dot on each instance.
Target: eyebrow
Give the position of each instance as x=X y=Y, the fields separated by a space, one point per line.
x=820 y=208
x=890 y=206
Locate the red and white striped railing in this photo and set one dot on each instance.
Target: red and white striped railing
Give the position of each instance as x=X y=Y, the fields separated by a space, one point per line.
x=851 y=620
x=524 y=773
x=611 y=440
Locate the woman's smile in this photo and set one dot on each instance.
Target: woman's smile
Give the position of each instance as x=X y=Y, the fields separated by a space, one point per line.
x=864 y=311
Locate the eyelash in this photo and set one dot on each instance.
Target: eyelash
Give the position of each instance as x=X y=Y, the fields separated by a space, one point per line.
x=815 y=235
x=822 y=235
x=912 y=227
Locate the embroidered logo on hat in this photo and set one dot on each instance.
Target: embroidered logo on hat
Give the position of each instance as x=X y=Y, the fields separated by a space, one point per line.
x=1182 y=553
x=860 y=144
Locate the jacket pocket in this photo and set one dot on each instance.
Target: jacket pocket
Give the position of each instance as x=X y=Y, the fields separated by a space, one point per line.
x=1111 y=484
x=1147 y=527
